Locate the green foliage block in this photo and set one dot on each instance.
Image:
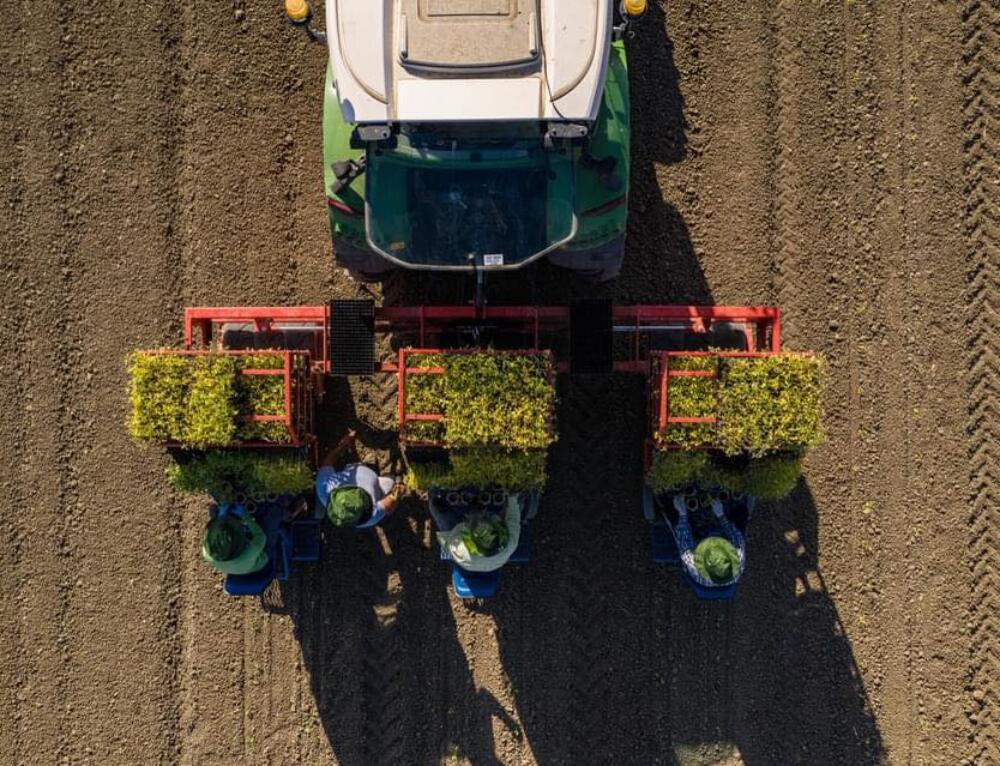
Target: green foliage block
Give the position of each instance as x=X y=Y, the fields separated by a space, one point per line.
x=763 y=405
x=766 y=478
x=211 y=410
x=500 y=400
x=771 y=403
x=198 y=400
x=675 y=468
x=425 y=395
x=772 y=477
x=158 y=395
x=512 y=470
x=261 y=395
x=691 y=398
x=224 y=474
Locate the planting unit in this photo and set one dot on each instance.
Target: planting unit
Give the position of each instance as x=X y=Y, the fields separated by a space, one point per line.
x=589 y=336
x=730 y=414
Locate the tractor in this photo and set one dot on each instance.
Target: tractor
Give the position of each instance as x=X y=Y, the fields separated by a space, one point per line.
x=476 y=136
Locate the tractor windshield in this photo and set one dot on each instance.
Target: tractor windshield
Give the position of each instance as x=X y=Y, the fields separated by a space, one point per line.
x=468 y=198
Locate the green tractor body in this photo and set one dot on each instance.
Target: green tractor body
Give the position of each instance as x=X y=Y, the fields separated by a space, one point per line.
x=466 y=194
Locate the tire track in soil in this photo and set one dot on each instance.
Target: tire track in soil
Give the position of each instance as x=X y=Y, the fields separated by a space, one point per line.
x=826 y=270
x=240 y=154
x=585 y=427
x=387 y=724
x=924 y=41
x=981 y=77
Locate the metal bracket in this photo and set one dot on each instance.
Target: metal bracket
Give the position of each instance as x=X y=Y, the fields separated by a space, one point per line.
x=567 y=130
x=367 y=134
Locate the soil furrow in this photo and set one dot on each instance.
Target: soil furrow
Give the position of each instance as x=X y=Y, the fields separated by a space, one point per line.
x=981 y=120
x=47 y=470
x=14 y=286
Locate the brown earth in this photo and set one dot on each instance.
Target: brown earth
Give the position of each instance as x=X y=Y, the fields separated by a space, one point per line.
x=836 y=159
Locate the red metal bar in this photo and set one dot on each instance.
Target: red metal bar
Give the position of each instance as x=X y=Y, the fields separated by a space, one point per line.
x=288 y=397
x=664 y=378
x=401 y=395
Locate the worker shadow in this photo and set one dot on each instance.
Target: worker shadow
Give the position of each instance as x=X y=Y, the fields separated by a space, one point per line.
x=799 y=692
x=610 y=658
x=380 y=646
x=378 y=635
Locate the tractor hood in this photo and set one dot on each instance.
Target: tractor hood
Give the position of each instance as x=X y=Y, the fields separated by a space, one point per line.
x=469 y=60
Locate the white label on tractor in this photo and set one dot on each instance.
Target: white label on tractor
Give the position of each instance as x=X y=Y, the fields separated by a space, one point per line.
x=492 y=259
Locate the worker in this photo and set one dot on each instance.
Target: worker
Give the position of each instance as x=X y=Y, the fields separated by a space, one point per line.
x=353 y=495
x=715 y=561
x=480 y=541
x=233 y=542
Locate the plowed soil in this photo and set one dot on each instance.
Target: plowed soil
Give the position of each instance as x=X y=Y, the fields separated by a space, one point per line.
x=839 y=160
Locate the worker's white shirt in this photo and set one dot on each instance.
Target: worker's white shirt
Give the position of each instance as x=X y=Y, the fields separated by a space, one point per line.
x=451 y=540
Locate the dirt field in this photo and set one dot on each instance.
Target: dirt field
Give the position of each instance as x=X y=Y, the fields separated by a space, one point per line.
x=837 y=159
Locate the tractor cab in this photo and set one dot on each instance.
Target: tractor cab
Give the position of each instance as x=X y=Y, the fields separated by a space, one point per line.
x=473 y=196
x=481 y=135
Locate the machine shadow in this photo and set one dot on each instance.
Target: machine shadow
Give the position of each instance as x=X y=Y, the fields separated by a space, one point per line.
x=769 y=678
x=378 y=636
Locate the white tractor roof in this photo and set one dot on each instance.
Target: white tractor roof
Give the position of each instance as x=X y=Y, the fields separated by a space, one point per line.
x=464 y=60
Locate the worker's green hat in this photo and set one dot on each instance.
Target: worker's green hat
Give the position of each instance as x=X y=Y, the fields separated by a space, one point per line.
x=224 y=538
x=716 y=559
x=347 y=506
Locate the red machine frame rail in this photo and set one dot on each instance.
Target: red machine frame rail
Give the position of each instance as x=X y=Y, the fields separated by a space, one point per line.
x=428 y=321
x=422 y=327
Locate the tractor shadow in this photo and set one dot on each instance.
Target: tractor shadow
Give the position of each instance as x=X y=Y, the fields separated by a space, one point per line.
x=660 y=261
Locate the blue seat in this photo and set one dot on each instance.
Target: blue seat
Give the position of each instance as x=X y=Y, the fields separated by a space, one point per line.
x=664 y=544
x=253 y=584
x=474 y=584
x=724 y=593
x=305 y=540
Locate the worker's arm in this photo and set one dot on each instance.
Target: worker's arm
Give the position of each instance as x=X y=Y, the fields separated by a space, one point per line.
x=333 y=456
x=732 y=533
x=390 y=503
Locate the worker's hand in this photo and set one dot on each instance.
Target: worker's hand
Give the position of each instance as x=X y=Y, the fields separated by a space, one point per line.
x=349 y=438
